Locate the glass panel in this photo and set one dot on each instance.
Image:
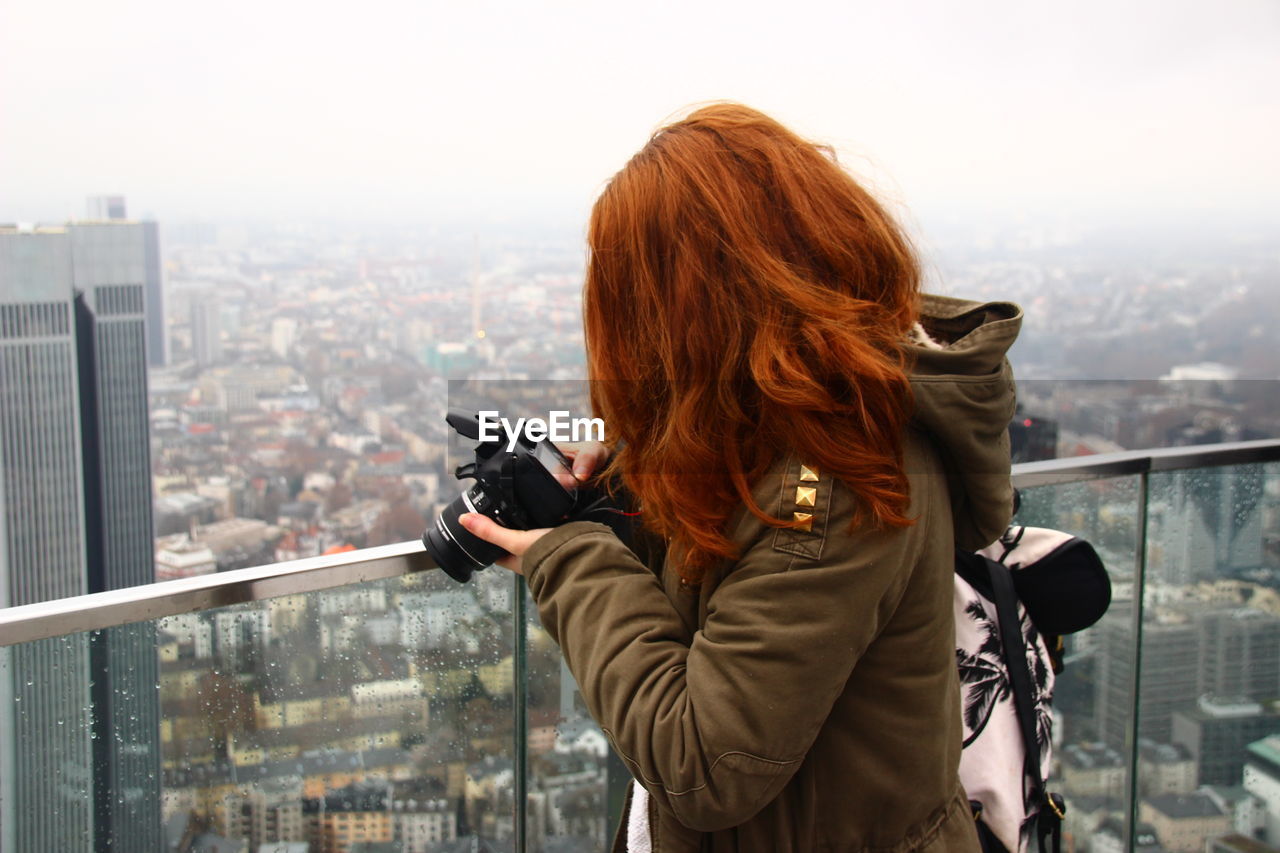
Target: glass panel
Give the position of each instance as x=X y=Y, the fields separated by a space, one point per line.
x=384 y=711
x=379 y=712
x=1209 y=731
x=46 y=744
x=1094 y=694
x=565 y=756
x=570 y=774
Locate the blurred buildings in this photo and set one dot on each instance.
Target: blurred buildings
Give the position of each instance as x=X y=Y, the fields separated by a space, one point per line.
x=300 y=413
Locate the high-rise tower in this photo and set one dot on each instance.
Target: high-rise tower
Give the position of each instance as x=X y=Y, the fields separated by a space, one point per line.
x=157 y=331
x=45 y=743
x=75 y=517
x=109 y=270
x=206 y=329
x=111 y=208
x=99 y=207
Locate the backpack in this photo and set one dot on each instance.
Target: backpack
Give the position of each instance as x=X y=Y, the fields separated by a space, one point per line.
x=1014 y=601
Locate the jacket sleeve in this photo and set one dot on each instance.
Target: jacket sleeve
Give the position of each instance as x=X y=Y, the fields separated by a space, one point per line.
x=714 y=723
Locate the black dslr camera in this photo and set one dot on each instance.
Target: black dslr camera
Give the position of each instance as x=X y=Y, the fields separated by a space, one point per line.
x=531 y=485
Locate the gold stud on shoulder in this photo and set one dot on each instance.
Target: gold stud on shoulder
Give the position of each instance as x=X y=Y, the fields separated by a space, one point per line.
x=808 y=474
x=806 y=496
x=805 y=521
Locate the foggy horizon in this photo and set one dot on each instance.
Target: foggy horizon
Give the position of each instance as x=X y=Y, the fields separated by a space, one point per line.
x=405 y=112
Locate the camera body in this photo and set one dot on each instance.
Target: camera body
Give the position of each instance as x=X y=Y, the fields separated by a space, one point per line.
x=527 y=486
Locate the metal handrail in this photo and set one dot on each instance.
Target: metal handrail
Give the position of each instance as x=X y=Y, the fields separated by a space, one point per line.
x=169 y=598
x=1075 y=469
x=100 y=610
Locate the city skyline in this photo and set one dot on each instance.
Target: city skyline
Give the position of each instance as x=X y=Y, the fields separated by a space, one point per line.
x=301 y=414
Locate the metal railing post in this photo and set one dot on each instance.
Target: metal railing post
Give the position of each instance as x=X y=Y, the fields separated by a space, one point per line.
x=520 y=699
x=1139 y=599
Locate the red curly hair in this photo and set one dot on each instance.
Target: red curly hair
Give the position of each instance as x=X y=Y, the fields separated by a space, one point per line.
x=752 y=299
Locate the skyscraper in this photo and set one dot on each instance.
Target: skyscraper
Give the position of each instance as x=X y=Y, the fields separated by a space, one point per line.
x=45 y=744
x=1188 y=651
x=111 y=208
x=157 y=331
x=101 y=207
x=1208 y=521
x=206 y=329
x=109 y=270
x=109 y=274
x=76 y=517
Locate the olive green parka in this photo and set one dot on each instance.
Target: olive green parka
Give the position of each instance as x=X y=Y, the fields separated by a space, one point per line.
x=806 y=697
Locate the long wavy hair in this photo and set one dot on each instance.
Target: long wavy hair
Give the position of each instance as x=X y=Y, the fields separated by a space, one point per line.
x=745 y=298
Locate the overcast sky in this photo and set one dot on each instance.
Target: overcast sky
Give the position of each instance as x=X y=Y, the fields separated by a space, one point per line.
x=405 y=109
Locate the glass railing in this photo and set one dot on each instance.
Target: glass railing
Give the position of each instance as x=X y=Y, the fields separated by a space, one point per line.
x=1162 y=703
x=358 y=699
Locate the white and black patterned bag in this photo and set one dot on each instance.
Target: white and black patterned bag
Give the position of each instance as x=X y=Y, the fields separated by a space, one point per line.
x=1014 y=600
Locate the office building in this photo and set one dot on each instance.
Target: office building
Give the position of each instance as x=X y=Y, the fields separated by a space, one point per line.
x=104 y=207
x=1184 y=823
x=206 y=329
x=45 y=745
x=111 y=208
x=157 y=329
x=1205 y=523
x=75 y=517
x=109 y=265
x=1188 y=651
x=1032 y=439
x=1165 y=768
x=1217 y=731
x=1240 y=653
x=1262 y=780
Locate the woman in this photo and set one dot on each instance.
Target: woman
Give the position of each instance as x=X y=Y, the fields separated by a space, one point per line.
x=781 y=675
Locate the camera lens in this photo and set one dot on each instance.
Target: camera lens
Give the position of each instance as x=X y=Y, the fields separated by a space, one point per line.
x=454 y=548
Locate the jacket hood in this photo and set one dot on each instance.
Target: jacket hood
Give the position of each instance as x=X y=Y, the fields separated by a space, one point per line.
x=964 y=398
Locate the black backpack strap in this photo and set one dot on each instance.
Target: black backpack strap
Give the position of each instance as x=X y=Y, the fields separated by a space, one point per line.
x=1049 y=821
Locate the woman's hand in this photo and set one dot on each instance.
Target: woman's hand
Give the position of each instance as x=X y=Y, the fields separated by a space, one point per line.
x=588 y=457
x=514 y=542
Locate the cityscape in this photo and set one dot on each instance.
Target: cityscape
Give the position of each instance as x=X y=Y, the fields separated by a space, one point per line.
x=180 y=400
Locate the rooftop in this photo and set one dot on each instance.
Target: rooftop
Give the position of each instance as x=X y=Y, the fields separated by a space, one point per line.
x=1267 y=753
x=1178 y=806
